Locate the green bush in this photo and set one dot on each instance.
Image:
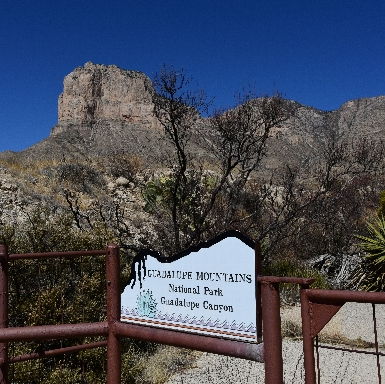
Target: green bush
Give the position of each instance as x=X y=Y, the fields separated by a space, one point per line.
x=292 y=268
x=370 y=276
x=55 y=291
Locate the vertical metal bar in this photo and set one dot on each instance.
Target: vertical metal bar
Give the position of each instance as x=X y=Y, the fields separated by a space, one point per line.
x=3 y=312
x=318 y=368
x=113 y=314
x=376 y=343
x=308 y=343
x=258 y=271
x=272 y=333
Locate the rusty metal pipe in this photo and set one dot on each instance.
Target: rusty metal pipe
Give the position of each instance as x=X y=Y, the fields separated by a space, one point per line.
x=313 y=318
x=272 y=332
x=113 y=314
x=56 y=352
x=113 y=283
x=3 y=312
x=308 y=342
x=202 y=343
x=47 y=332
x=272 y=323
x=322 y=296
x=20 y=256
x=258 y=293
x=289 y=280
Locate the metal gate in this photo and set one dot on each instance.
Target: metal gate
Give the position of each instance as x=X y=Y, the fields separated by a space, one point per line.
x=317 y=308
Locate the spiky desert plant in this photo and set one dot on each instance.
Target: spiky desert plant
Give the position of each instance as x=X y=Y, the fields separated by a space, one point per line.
x=370 y=276
x=374 y=245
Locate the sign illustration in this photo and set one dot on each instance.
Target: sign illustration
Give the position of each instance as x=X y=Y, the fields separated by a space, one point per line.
x=207 y=289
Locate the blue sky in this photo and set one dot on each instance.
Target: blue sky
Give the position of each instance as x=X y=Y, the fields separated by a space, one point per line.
x=320 y=53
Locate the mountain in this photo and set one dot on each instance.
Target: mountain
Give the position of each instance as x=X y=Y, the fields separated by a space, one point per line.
x=105 y=112
x=102 y=110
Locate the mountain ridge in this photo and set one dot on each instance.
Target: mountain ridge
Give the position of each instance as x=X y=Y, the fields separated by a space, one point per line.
x=106 y=109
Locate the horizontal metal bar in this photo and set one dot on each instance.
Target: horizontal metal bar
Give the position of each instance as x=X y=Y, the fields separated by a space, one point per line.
x=288 y=280
x=56 y=352
x=19 y=256
x=47 y=332
x=351 y=350
x=243 y=350
x=323 y=296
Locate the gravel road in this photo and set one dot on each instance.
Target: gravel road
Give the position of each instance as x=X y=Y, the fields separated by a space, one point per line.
x=335 y=367
x=353 y=321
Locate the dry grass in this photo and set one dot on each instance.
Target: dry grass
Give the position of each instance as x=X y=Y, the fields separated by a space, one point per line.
x=159 y=367
x=31 y=168
x=291 y=329
x=47 y=177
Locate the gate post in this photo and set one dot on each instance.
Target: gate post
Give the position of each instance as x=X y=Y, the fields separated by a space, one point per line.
x=308 y=341
x=3 y=312
x=272 y=331
x=113 y=314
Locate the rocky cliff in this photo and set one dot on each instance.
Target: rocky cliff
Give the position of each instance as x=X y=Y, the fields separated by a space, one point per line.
x=105 y=110
x=105 y=93
x=363 y=117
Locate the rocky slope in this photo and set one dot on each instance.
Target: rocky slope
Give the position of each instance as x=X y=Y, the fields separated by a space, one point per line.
x=106 y=111
x=102 y=110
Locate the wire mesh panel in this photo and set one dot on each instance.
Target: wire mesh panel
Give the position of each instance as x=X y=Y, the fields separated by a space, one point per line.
x=355 y=320
x=348 y=365
x=358 y=352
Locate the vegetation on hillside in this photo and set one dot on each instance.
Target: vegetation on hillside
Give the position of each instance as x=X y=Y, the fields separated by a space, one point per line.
x=297 y=211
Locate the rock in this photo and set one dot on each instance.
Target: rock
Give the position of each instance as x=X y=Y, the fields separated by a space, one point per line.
x=4 y=186
x=10 y=197
x=97 y=92
x=122 y=182
x=337 y=269
x=105 y=110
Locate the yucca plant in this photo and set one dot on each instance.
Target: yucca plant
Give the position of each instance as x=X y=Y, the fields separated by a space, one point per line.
x=370 y=276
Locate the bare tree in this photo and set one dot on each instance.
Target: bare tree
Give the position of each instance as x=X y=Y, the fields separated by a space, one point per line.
x=212 y=179
x=320 y=207
x=190 y=197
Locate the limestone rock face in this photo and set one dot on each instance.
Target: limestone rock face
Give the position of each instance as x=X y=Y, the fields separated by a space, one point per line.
x=363 y=117
x=97 y=92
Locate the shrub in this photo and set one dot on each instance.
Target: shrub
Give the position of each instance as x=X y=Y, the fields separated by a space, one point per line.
x=55 y=291
x=370 y=276
x=82 y=177
x=291 y=268
x=124 y=165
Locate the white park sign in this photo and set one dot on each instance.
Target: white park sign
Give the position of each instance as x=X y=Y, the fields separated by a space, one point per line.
x=209 y=289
